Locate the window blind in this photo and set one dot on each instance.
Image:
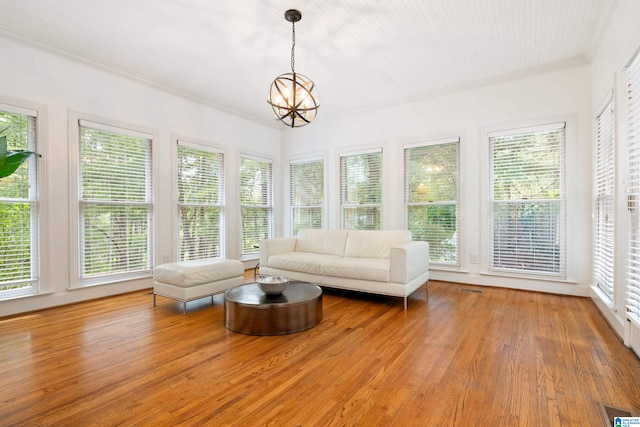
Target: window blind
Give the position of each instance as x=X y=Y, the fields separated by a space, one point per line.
x=200 y=202
x=361 y=190
x=19 y=219
x=306 y=194
x=633 y=129
x=431 y=198
x=527 y=214
x=603 y=246
x=115 y=202
x=256 y=202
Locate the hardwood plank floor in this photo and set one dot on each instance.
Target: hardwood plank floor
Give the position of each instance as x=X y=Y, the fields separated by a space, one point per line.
x=498 y=358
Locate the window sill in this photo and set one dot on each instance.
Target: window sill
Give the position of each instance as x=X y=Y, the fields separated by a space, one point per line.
x=604 y=298
x=553 y=279
x=110 y=280
x=18 y=297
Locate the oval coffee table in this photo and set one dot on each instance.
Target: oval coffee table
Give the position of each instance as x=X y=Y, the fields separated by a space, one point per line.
x=249 y=311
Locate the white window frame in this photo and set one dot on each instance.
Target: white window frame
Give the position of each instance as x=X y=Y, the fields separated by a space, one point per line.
x=36 y=199
x=604 y=201
x=75 y=120
x=344 y=205
x=570 y=200
x=220 y=205
x=268 y=206
x=445 y=141
x=632 y=285
x=292 y=192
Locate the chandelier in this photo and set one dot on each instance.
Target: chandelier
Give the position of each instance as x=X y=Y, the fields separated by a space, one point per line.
x=293 y=97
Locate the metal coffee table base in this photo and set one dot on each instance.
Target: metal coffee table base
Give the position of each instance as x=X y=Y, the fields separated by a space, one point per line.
x=249 y=311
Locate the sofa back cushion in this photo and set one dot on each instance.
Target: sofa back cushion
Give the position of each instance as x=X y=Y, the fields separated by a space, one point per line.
x=321 y=241
x=374 y=243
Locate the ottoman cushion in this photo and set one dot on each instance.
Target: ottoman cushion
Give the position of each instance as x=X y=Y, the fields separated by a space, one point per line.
x=196 y=272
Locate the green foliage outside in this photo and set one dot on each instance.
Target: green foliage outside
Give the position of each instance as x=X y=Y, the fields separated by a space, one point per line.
x=527 y=208
x=437 y=225
x=361 y=218
x=304 y=218
x=255 y=201
x=526 y=167
x=307 y=189
x=526 y=236
x=432 y=193
x=199 y=232
x=200 y=196
x=15 y=250
x=116 y=195
x=115 y=239
x=361 y=191
x=16 y=199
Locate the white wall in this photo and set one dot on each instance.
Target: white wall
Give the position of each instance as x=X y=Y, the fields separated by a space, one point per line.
x=559 y=94
x=620 y=43
x=62 y=86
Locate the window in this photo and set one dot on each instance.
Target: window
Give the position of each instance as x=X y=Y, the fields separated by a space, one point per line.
x=200 y=201
x=19 y=249
x=256 y=202
x=115 y=206
x=633 y=126
x=361 y=190
x=431 y=197
x=603 y=219
x=306 y=194
x=527 y=201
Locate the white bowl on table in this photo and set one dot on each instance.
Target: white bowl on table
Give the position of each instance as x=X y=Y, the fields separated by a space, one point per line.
x=272 y=285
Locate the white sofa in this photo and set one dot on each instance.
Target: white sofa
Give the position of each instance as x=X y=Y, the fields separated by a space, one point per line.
x=383 y=262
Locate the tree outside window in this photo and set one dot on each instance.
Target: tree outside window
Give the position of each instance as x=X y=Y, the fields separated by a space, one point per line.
x=200 y=202
x=361 y=190
x=256 y=202
x=115 y=203
x=306 y=194
x=431 y=198
x=527 y=200
x=19 y=247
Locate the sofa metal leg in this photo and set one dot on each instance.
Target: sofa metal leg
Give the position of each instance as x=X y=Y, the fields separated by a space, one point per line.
x=184 y=308
x=154 y=299
x=405 y=303
x=426 y=289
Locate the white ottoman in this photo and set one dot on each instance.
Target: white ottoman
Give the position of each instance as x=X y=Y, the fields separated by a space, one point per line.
x=190 y=280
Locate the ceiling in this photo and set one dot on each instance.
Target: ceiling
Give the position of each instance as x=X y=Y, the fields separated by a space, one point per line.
x=362 y=54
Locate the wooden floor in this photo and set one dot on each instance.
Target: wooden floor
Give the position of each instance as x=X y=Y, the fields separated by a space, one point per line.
x=459 y=358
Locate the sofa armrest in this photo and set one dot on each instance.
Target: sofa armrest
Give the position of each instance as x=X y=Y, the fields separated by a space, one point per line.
x=275 y=246
x=408 y=261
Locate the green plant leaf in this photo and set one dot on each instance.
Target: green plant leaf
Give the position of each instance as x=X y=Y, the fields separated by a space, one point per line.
x=3 y=150
x=11 y=160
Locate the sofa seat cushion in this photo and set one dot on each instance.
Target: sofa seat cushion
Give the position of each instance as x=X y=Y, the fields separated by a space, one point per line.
x=374 y=269
x=302 y=262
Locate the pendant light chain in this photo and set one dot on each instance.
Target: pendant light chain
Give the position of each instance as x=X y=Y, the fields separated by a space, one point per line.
x=293 y=47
